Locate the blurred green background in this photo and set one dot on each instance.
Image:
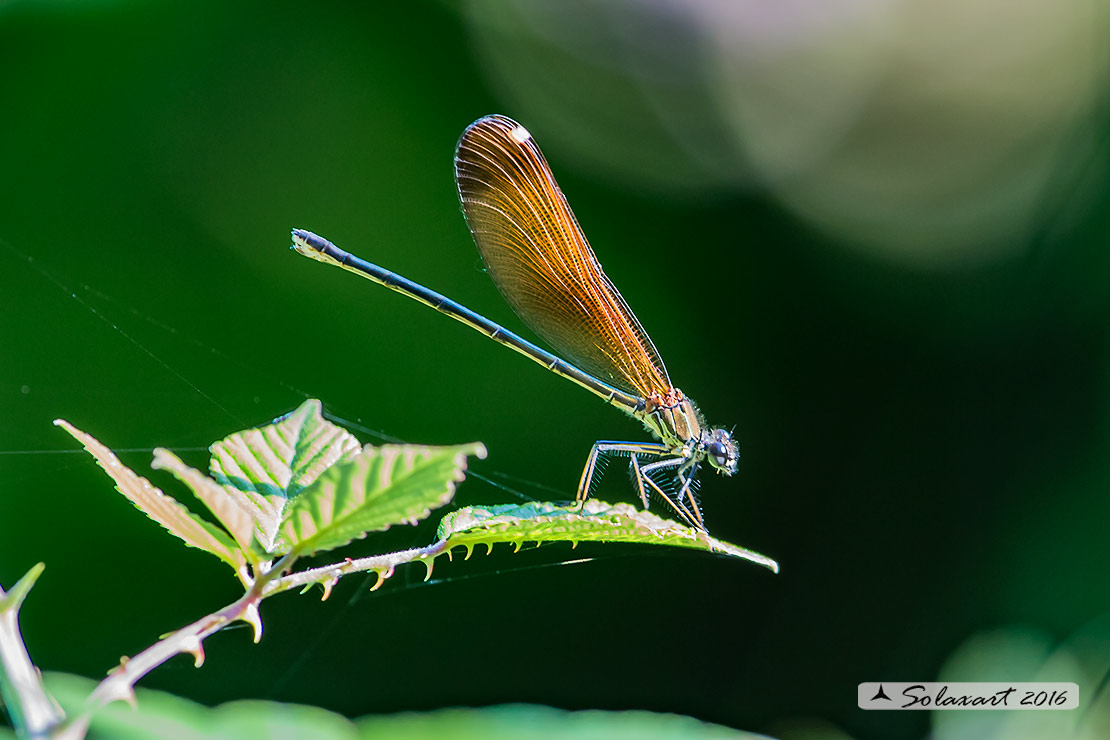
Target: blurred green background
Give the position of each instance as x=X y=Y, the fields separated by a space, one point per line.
x=871 y=234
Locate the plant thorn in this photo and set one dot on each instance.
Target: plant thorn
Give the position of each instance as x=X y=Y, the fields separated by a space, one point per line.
x=194 y=647
x=327 y=587
x=251 y=616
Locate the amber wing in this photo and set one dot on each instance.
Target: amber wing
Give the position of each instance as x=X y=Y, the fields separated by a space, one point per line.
x=541 y=262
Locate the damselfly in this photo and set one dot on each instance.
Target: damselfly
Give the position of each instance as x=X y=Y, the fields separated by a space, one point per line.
x=541 y=262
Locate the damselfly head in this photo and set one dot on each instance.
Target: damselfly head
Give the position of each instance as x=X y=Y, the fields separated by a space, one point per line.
x=721 y=450
x=301 y=239
x=315 y=247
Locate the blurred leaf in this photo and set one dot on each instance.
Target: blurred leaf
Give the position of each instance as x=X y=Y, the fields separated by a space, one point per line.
x=594 y=521
x=163 y=509
x=807 y=728
x=266 y=720
x=382 y=486
x=160 y=716
x=532 y=722
x=264 y=469
x=1024 y=654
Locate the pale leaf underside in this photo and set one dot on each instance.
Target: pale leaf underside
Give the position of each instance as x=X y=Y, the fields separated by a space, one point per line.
x=263 y=469
x=237 y=515
x=163 y=509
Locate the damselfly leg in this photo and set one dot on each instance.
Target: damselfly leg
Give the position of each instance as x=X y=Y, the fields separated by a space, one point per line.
x=683 y=504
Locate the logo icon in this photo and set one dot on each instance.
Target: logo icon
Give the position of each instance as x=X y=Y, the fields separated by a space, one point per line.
x=880 y=694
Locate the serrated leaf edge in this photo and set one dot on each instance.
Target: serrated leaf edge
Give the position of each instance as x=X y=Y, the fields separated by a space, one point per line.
x=269 y=466
x=489 y=526
x=159 y=506
x=290 y=530
x=239 y=516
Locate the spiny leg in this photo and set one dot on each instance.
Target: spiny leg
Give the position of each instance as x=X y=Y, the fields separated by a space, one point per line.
x=697 y=512
x=690 y=516
x=638 y=477
x=686 y=475
x=687 y=480
x=690 y=513
x=585 y=483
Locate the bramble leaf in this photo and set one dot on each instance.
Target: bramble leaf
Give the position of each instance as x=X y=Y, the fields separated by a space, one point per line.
x=593 y=521
x=237 y=516
x=164 y=509
x=264 y=469
x=380 y=487
x=162 y=715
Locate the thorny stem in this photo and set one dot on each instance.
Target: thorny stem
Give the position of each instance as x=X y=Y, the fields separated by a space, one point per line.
x=120 y=683
x=30 y=706
x=189 y=639
x=383 y=565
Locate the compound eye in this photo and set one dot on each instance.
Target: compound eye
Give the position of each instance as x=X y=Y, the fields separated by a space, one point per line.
x=719 y=452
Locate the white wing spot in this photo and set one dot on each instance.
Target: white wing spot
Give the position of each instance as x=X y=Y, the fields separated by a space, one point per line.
x=520 y=134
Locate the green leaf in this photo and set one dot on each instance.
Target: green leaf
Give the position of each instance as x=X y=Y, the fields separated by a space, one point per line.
x=238 y=517
x=382 y=486
x=594 y=521
x=264 y=469
x=165 y=510
x=160 y=715
x=532 y=722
